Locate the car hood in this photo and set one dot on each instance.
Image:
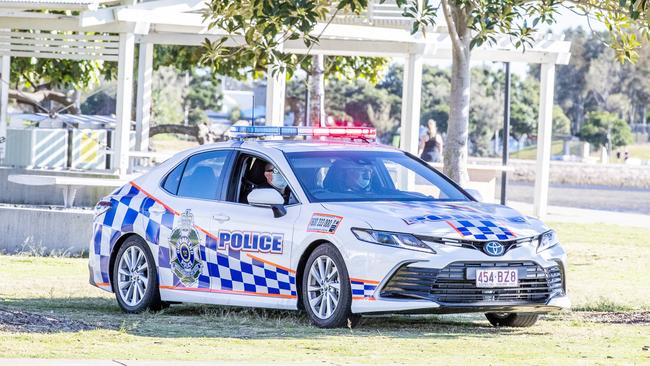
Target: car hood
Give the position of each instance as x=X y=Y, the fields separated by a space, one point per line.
x=459 y=219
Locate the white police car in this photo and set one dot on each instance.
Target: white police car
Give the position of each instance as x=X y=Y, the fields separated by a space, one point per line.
x=338 y=229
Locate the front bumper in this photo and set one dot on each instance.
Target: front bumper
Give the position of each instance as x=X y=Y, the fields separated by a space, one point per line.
x=389 y=306
x=413 y=288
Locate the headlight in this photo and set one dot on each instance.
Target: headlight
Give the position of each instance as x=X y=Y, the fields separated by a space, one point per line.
x=391 y=239
x=547 y=240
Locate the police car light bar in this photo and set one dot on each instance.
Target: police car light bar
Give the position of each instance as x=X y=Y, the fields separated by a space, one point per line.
x=343 y=132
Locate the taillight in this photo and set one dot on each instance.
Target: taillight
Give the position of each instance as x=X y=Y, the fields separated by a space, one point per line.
x=102 y=206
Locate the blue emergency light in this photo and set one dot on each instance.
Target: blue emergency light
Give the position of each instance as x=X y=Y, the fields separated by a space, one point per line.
x=364 y=133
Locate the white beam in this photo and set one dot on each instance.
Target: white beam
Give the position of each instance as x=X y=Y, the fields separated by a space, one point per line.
x=61 y=23
x=172 y=5
x=275 y=89
x=143 y=97
x=123 y=100
x=544 y=133
x=411 y=93
x=4 y=103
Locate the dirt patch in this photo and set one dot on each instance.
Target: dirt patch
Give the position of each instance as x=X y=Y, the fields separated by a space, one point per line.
x=633 y=317
x=22 y=321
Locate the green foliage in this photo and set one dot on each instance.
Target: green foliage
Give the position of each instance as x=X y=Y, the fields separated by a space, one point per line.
x=604 y=129
x=32 y=73
x=174 y=92
x=360 y=102
x=352 y=67
x=265 y=25
x=561 y=123
x=235 y=115
x=592 y=82
x=167 y=94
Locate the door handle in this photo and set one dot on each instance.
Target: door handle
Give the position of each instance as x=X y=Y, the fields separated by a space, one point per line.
x=157 y=210
x=221 y=217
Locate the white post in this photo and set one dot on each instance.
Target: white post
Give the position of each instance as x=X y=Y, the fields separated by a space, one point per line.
x=411 y=92
x=4 y=103
x=275 y=88
x=123 y=108
x=544 y=133
x=143 y=97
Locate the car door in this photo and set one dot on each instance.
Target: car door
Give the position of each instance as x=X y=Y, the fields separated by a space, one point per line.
x=193 y=190
x=258 y=247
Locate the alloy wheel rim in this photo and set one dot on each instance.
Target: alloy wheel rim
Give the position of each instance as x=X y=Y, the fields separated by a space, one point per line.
x=323 y=287
x=133 y=275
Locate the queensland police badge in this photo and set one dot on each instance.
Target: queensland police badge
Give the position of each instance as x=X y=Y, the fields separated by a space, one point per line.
x=184 y=255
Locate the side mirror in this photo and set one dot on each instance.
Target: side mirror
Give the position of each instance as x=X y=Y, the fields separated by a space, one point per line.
x=268 y=197
x=475 y=193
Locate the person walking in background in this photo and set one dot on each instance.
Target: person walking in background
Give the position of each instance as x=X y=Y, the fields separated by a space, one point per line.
x=432 y=150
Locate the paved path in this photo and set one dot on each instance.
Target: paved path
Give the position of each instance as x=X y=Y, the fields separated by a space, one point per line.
x=586 y=216
x=632 y=200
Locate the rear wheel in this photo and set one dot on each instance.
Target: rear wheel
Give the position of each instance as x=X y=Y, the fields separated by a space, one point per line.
x=520 y=320
x=326 y=290
x=135 y=278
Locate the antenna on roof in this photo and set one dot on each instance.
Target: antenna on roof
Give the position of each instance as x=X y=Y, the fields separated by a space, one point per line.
x=253 y=111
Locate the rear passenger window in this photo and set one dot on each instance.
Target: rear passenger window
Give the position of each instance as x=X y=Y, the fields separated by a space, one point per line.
x=173 y=178
x=202 y=175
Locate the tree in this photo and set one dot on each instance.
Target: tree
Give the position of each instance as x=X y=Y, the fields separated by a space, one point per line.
x=360 y=102
x=604 y=129
x=334 y=68
x=38 y=82
x=265 y=25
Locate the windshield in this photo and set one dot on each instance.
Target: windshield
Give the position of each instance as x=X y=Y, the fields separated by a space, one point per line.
x=341 y=176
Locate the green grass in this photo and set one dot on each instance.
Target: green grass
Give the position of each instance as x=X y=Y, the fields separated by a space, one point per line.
x=530 y=152
x=639 y=151
x=608 y=273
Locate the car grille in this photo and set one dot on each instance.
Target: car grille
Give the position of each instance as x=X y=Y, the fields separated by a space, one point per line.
x=451 y=284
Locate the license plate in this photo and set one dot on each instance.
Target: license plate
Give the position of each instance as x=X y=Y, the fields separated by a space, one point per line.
x=497 y=278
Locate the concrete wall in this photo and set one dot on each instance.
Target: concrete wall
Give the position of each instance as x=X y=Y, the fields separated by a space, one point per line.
x=47 y=195
x=611 y=175
x=43 y=229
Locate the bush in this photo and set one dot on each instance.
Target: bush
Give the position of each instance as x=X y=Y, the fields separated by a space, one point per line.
x=603 y=128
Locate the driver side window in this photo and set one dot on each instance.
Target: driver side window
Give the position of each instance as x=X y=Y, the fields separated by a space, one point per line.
x=252 y=173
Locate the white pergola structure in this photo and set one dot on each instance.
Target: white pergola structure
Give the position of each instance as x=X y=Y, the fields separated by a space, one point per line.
x=380 y=31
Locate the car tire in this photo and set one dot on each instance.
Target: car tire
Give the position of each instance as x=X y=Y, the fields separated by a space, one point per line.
x=519 y=320
x=141 y=278
x=335 y=290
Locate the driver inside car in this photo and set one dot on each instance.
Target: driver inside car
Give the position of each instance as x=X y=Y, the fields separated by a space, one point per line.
x=275 y=180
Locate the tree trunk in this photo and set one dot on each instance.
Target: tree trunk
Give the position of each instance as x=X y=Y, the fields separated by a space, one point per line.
x=455 y=152
x=201 y=132
x=34 y=99
x=317 y=91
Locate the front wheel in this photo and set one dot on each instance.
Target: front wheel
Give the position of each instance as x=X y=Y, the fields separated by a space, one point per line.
x=520 y=320
x=135 y=279
x=326 y=291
